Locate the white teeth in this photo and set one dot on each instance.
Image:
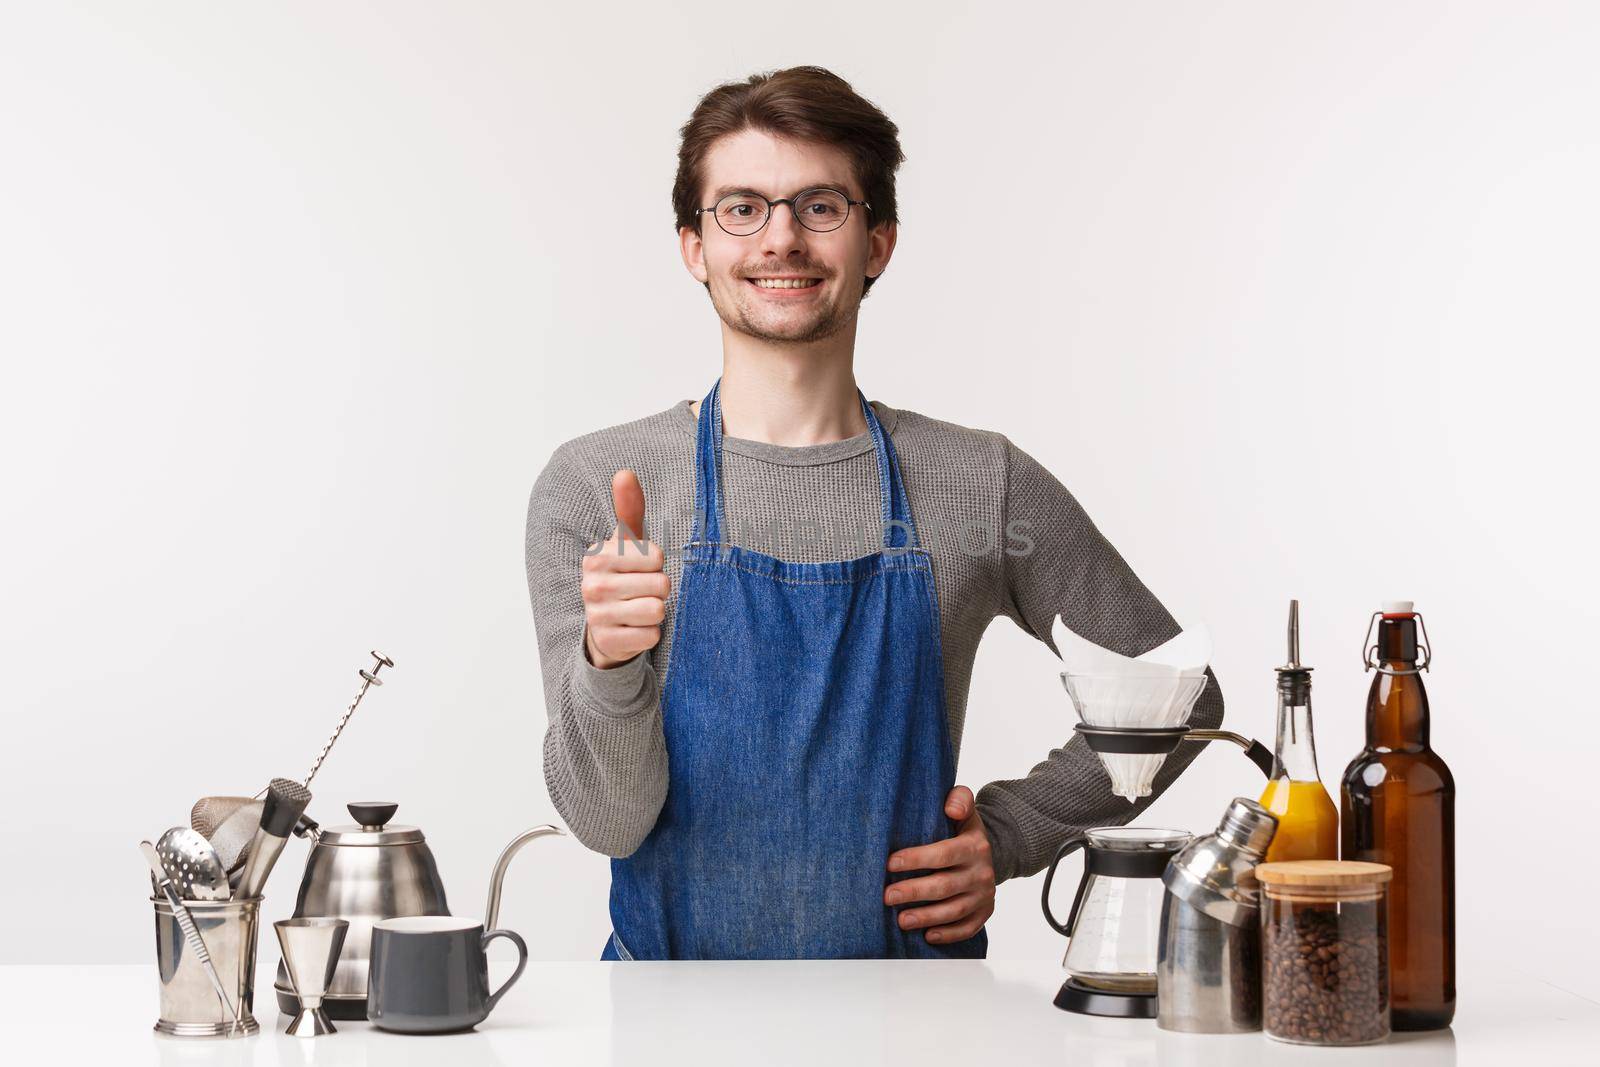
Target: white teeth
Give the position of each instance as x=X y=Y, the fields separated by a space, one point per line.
x=786 y=283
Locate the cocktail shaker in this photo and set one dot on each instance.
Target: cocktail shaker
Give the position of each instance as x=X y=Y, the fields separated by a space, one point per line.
x=1208 y=965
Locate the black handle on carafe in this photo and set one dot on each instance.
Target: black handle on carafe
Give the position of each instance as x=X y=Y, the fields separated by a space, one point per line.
x=1072 y=844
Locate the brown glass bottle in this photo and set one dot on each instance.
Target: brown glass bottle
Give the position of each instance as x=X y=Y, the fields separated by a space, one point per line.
x=1398 y=807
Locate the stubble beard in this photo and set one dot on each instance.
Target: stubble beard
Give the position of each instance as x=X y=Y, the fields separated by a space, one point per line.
x=742 y=313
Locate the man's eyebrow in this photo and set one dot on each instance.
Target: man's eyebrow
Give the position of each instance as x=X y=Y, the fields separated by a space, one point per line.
x=724 y=190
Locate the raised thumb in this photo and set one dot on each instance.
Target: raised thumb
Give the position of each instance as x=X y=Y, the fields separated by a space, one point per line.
x=627 y=500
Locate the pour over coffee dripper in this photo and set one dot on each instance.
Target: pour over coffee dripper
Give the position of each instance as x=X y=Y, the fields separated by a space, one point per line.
x=1135 y=710
x=1134 y=721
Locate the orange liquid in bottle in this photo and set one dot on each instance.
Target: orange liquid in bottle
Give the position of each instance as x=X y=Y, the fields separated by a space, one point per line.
x=1308 y=822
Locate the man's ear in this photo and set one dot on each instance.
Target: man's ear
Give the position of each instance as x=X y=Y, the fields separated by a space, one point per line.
x=693 y=250
x=880 y=247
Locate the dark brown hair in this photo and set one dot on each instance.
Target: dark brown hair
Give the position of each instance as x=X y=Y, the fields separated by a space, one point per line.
x=804 y=104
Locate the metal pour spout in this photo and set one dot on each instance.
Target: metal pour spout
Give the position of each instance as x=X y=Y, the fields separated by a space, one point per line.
x=1294 y=677
x=1294 y=635
x=491 y=914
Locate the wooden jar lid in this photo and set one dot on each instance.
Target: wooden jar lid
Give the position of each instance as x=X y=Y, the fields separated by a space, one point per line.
x=1325 y=873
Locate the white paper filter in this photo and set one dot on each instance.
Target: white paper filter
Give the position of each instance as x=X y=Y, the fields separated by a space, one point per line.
x=1158 y=688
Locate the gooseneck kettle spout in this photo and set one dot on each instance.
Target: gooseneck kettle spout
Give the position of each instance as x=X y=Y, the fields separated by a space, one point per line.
x=491 y=914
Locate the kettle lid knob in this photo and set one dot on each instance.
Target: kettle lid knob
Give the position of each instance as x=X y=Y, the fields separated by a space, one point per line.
x=372 y=814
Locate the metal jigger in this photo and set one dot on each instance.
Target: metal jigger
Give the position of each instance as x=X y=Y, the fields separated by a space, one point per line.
x=311 y=949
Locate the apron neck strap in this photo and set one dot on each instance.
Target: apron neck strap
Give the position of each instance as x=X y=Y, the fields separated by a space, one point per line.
x=710 y=521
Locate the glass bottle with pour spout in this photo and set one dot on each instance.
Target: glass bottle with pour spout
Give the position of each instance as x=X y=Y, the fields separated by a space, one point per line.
x=1308 y=823
x=1399 y=799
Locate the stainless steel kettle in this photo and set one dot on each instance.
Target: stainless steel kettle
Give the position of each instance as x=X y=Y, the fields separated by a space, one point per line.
x=369 y=871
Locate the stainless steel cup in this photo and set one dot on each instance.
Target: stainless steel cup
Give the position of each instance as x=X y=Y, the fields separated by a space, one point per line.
x=189 y=1004
x=1208 y=974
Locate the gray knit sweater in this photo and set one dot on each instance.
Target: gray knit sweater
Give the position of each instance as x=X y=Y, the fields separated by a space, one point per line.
x=1006 y=538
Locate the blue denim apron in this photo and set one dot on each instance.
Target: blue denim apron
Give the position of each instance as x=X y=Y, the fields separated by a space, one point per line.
x=806 y=740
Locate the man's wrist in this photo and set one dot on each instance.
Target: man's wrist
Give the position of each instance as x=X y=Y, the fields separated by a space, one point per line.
x=1002 y=853
x=624 y=690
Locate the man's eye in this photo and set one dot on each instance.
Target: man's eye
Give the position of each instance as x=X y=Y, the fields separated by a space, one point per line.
x=826 y=206
x=741 y=207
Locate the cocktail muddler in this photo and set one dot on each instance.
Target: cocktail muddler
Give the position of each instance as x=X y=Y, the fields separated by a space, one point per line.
x=280 y=810
x=311 y=948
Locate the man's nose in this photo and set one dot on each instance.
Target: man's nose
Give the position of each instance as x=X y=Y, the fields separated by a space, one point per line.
x=783 y=233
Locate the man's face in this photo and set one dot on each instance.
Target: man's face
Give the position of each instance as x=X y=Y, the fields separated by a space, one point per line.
x=840 y=259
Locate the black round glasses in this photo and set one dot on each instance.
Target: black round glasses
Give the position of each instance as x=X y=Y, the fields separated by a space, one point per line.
x=743 y=213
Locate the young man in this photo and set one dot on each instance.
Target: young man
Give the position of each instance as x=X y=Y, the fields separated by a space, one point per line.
x=756 y=709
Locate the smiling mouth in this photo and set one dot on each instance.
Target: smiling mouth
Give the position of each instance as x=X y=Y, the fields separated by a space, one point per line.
x=779 y=284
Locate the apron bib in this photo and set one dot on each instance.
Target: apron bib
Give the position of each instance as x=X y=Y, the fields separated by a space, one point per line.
x=806 y=740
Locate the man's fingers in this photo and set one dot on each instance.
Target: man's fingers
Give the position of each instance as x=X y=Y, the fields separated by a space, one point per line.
x=946 y=911
x=947 y=853
x=623 y=554
x=960 y=803
x=627 y=501
x=603 y=587
x=621 y=643
x=930 y=887
x=959 y=931
x=632 y=584
x=642 y=611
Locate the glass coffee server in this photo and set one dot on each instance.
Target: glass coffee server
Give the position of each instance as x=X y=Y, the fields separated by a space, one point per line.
x=1114 y=925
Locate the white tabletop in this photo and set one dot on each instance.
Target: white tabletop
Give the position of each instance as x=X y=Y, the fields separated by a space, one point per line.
x=817 y=1014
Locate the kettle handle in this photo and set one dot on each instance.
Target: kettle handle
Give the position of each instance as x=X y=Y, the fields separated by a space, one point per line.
x=1071 y=845
x=491 y=914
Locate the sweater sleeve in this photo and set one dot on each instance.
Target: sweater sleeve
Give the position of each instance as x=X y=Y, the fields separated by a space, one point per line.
x=605 y=755
x=1071 y=570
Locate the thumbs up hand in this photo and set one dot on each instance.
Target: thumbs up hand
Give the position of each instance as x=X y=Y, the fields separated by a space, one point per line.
x=625 y=586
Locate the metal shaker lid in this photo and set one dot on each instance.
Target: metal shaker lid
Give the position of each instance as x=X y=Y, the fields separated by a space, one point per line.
x=372 y=827
x=1216 y=874
x=1248 y=825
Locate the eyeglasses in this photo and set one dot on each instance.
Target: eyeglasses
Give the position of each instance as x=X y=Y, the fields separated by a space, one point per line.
x=742 y=214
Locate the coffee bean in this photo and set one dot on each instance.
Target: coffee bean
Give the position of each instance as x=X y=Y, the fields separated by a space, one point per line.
x=1325 y=976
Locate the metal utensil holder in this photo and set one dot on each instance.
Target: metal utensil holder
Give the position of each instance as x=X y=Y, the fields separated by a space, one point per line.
x=189 y=1004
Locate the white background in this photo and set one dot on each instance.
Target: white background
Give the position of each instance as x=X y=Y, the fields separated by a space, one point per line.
x=297 y=300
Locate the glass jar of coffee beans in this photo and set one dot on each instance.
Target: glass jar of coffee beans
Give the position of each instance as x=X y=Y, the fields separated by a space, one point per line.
x=1325 y=951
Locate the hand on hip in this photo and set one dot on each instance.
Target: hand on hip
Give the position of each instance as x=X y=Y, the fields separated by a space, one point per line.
x=958 y=897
